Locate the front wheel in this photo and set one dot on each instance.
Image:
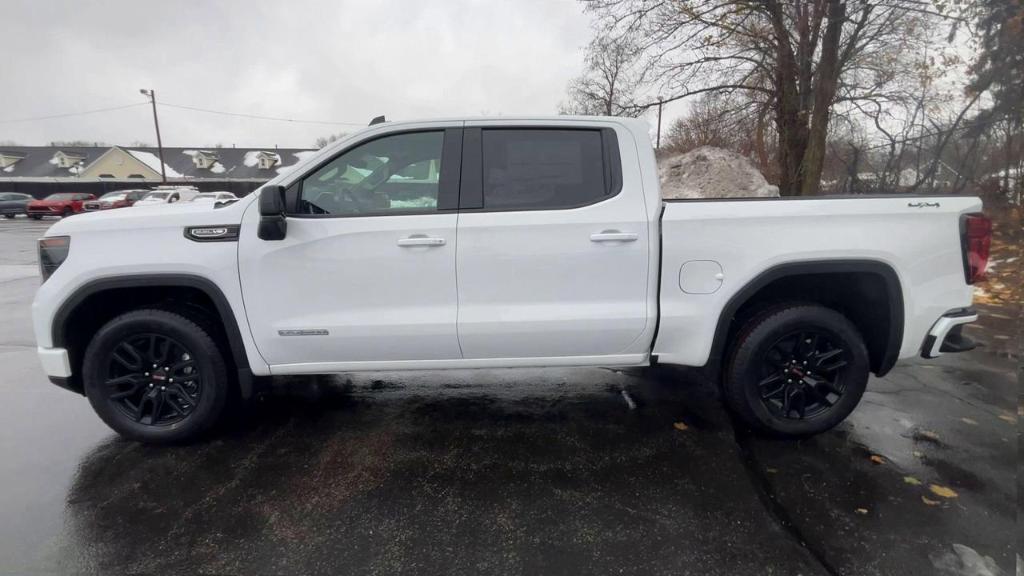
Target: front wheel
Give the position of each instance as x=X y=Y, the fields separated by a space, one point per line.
x=36 y=216
x=796 y=370
x=155 y=376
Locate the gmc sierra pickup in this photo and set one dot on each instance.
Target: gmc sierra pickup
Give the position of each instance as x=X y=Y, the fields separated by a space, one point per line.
x=500 y=243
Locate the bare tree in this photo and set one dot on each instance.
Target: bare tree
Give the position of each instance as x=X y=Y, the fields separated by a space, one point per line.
x=609 y=81
x=323 y=141
x=801 y=58
x=730 y=121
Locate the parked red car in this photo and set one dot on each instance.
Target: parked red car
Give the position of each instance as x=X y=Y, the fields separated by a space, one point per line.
x=60 y=204
x=118 y=199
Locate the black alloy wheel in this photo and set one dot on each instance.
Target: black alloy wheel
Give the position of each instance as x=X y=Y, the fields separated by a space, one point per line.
x=153 y=379
x=796 y=369
x=157 y=376
x=802 y=375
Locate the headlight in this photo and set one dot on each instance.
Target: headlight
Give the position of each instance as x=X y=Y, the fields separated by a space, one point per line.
x=52 y=253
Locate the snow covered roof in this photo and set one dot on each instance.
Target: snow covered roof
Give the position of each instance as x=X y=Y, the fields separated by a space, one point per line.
x=230 y=163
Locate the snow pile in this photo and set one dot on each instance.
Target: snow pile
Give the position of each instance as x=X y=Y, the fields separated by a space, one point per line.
x=709 y=172
x=150 y=159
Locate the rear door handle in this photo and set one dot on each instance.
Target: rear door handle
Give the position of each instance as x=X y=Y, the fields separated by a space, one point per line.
x=613 y=236
x=421 y=241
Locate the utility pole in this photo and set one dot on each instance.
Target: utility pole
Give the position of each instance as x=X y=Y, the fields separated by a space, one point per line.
x=658 y=144
x=156 y=123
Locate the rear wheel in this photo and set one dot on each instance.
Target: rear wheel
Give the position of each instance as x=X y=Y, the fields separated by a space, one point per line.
x=796 y=370
x=66 y=212
x=36 y=216
x=9 y=216
x=155 y=376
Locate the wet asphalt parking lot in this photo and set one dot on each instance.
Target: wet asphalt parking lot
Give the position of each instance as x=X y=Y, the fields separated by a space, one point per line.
x=514 y=472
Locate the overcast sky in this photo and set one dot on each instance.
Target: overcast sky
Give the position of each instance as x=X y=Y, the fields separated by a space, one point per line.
x=338 y=60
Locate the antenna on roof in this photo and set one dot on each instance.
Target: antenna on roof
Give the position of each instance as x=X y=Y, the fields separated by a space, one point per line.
x=378 y=120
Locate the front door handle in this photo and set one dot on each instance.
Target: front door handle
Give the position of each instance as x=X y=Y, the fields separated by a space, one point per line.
x=421 y=241
x=613 y=236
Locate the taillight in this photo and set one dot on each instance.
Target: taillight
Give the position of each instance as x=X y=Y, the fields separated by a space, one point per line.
x=977 y=239
x=53 y=251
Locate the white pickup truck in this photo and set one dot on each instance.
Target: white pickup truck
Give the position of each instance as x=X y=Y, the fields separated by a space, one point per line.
x=494 y=243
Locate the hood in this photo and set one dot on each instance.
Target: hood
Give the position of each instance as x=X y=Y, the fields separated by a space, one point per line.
x=152 y=216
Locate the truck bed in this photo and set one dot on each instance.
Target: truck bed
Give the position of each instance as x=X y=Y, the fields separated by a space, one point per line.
x=714 y=250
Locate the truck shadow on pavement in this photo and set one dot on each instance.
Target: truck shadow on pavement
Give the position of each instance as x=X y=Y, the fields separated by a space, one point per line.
x=482 y=472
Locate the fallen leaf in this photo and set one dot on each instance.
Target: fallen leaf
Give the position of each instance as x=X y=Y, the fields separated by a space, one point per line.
x=942 y=491
x=771 y=470
x=970 y=421
x=929 y=434
x=1008 y=418
x=681 y=426
x=861 y=511
x=877 y=459
x=911 y=480
x=929 y=501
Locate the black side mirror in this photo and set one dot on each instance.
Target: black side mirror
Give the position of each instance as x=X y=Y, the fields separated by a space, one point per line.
x=273 y=224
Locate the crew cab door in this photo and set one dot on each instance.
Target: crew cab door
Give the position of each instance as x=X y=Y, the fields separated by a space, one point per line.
x=553 y=248
x=366 y=271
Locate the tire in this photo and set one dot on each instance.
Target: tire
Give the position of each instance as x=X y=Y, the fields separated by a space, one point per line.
x=66 y=212
x=144 y=403
x=815 y=355
x=36 y=216
x=9 y=216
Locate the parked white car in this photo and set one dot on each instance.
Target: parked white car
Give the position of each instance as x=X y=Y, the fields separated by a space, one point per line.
x=501 y=243
x=215 y=197
x=167 y=196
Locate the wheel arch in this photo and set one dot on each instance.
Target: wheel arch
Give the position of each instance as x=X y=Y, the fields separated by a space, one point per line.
x=889 y=331
x=153 y=284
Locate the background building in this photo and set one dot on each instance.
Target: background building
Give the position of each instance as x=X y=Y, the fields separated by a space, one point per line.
x=42 y=170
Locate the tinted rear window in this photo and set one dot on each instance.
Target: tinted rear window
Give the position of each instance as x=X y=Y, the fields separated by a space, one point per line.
x=531 y=169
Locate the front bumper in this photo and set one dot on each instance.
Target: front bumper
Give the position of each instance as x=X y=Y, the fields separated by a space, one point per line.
x=55 y=361
x=945 y=335
x=43 y=210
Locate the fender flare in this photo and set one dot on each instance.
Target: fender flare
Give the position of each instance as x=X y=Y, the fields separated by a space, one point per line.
x=894 y=338
x=208 y=287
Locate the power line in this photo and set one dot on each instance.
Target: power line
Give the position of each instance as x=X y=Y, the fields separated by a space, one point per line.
x=68 y=114
x=258 y=117
x=183 y=107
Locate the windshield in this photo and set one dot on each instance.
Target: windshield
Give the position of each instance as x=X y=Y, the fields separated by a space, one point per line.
x=59 y=196
x=155 y=196
x=113 y=196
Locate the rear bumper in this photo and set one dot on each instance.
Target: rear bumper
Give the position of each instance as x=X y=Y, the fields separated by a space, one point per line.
x=945 y=335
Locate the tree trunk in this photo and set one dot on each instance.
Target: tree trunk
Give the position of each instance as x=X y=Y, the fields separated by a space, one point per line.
x=791 y=127
x=826 y=84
